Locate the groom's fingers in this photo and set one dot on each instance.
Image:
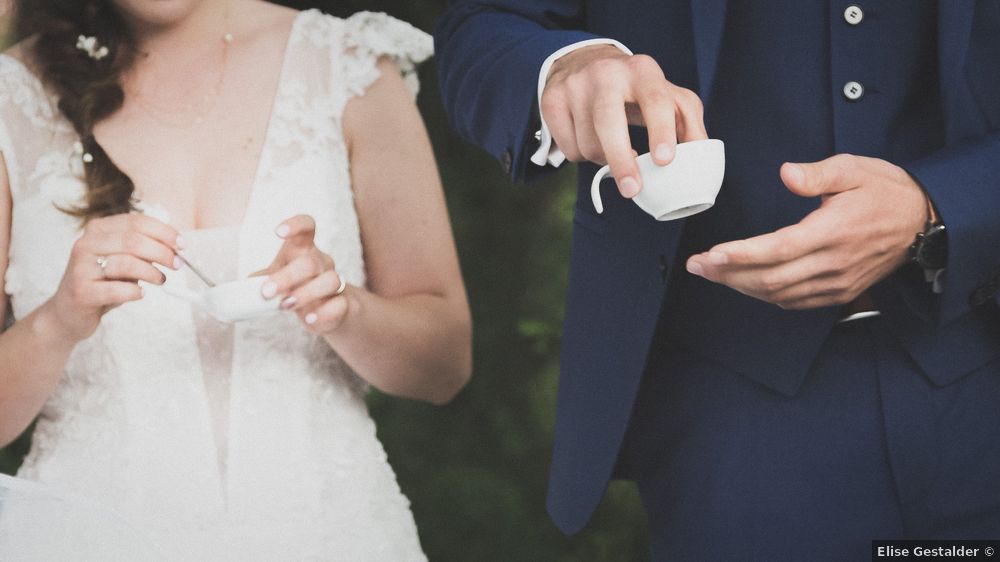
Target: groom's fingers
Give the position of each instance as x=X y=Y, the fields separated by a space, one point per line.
x=690 y=115
x=594 y=93
x=560 y=122
x=611 y=128
x=657 y=103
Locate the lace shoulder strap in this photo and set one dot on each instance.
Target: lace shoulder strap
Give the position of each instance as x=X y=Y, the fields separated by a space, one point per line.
x=29 y=120
x=370 y=35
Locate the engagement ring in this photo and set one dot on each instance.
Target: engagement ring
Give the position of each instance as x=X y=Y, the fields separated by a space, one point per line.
x=103 y=262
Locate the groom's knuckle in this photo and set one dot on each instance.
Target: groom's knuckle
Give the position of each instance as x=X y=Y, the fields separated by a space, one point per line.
x=657 y=96
x=687 y=99
x=838 y=264
x=577 y=85
x=787 y=250
x=844 y=159
x=772 y=282
x=843 y=287
x=602 y=68
x=644 y=65
x=553 y=103
x=840 y=166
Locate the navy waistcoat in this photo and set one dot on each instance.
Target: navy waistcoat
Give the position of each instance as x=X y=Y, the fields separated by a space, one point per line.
x=778 y=96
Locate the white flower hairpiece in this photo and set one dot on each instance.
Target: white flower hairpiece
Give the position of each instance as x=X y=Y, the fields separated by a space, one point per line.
x=89 y=45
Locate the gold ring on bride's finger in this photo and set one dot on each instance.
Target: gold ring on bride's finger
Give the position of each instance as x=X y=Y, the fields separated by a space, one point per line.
x=343 y=286
x=103 y=262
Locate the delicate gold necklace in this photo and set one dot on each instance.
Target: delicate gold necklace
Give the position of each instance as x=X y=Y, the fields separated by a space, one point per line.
x=189 y=113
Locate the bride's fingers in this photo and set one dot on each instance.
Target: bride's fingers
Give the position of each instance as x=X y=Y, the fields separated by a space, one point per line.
x=112 y=293
x=130 y=242
x=299 y=230
x=323 y=287
x=140 y=223
x=298 y=233
x=325 y=317
x=295 y=273
x=275 y=266
x=123 y=267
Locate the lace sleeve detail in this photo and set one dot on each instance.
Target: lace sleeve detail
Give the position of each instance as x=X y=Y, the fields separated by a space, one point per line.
x=370 y=35
x=28 y=114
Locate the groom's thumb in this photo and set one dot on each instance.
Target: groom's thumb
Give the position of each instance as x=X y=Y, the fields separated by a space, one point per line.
x=826 y=177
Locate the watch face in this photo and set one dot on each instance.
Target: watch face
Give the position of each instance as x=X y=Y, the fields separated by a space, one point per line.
x=931 y=248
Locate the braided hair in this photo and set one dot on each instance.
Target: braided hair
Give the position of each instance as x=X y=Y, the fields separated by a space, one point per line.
x=89 y=89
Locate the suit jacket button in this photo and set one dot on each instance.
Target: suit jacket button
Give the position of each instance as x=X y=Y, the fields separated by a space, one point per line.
x=664 y=268
x=508 y=161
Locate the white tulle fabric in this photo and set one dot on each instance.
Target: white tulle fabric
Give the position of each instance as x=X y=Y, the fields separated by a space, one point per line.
x=212 y=441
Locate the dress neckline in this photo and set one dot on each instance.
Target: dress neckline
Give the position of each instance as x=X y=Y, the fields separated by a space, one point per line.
x=262 y=155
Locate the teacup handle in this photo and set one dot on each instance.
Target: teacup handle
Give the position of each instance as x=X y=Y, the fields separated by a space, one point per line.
x=595 y=188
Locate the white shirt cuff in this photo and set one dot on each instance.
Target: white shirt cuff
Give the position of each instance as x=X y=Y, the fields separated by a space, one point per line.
x=548 y=152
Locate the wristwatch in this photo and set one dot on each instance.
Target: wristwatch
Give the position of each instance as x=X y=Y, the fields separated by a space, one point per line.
x=930 y=249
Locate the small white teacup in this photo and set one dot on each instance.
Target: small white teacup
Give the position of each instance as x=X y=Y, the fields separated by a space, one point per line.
x=686 y=186
x=230 y=302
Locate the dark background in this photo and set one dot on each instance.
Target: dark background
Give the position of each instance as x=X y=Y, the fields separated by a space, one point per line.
x=476 y=470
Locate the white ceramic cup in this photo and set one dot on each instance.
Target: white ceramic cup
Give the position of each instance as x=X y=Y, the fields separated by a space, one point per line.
x=687 y=185
x=230 y=302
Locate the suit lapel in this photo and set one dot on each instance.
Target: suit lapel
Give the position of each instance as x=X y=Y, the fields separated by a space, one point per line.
x=708 y=17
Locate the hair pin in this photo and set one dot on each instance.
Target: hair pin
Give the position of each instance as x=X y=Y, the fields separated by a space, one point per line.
x=89 y=45
x=81 y=154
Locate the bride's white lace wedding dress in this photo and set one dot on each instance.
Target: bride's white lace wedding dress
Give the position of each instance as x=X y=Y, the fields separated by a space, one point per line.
x=248 y=441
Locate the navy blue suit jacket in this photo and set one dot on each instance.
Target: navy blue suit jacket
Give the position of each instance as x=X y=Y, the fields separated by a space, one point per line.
x=489 y=53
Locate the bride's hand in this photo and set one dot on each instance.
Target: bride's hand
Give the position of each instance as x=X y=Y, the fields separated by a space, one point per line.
x=106 y=263
x=305 y=278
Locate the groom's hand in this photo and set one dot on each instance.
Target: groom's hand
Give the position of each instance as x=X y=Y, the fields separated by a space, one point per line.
x=594 y=93
x=869 y=216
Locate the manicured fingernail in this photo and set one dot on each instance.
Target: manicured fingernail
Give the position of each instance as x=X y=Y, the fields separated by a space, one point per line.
x=269 y=289
x=629 y=187
x=664 y=152
x=179 y=242
x=796 y=174
x=695 y=268
x=717 y=258
x=178 y=262
x=288 y=303
x=282 y=230
x=142 y=292
x=311 y=318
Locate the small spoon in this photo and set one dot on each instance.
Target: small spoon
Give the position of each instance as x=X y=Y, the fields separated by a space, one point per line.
x=196 y=271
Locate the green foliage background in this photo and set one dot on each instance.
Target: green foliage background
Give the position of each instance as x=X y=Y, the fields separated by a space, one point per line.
x=476 y=470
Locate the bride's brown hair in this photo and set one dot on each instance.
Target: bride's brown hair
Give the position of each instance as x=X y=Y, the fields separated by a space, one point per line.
x=89 y=90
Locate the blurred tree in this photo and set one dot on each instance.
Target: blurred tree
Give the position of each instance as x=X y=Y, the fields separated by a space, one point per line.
x=476 y=470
